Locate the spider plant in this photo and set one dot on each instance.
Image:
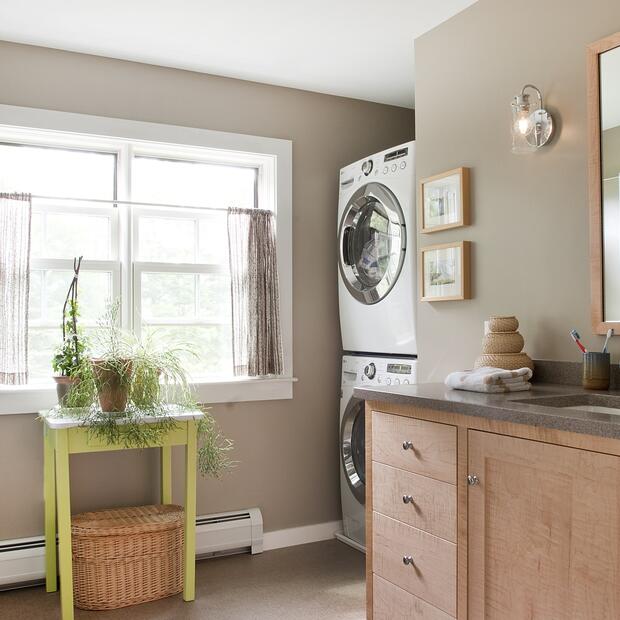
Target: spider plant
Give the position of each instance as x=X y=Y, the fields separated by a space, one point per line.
x=128 y=380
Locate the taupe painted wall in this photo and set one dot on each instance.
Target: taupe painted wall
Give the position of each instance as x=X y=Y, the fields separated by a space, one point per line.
x=288 y=449
x=530 y=213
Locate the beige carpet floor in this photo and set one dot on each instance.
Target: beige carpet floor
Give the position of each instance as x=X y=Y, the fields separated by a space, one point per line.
x=320 y=581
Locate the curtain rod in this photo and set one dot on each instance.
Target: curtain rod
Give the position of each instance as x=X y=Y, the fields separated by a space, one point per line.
x=16 y=196
x=125 y=202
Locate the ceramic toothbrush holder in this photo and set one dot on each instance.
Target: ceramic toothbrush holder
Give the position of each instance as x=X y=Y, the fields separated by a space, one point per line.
x=596 y=371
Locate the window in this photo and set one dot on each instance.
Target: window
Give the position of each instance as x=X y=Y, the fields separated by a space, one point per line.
x=61 y=230
x=181 y=282
x=162 y=248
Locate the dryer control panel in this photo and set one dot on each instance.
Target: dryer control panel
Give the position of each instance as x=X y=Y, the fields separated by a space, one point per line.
x=362 y=370
x=393 y=162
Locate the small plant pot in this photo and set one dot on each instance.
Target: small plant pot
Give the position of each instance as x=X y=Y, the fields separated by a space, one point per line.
x=63 y=385
x=112 y=379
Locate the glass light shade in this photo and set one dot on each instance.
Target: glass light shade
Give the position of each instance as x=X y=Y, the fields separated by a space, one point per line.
x=522 y=125
x=531 y=128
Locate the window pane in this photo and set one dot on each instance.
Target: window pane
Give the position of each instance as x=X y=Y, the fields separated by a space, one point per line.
x=36 y=295
x=213 y=239
x=211 y=345
x=168 y=296
x=49 y=289
x=167 y=239
x=42 y=343
x=57 y=172
x=199 y=298
x=166 y=181
x=214 y=297
x=174 y=296
x=72 y=234
x=36 y=235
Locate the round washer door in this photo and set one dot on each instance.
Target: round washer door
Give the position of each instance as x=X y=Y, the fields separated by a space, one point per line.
x=353 y=448
x=372 y=243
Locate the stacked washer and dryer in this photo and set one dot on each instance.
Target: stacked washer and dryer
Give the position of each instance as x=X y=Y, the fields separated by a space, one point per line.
x=377 y=296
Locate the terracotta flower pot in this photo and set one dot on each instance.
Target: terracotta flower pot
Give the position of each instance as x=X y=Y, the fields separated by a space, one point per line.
x=112 y=379
x=63 y=385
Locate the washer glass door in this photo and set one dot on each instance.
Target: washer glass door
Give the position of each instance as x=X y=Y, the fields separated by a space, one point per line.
x=353 y=448
x=372 y=243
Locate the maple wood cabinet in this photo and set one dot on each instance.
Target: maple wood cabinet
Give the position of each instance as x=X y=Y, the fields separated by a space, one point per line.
x=486 y=520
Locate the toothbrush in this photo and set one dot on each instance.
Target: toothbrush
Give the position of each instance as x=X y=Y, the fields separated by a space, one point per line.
x=575 y=336
x=610 y=333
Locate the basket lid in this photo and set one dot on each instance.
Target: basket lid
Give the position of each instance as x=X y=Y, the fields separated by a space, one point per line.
x=133 y=519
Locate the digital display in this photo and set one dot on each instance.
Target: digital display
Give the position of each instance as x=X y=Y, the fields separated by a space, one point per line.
x=396 y=154
x=399 y=369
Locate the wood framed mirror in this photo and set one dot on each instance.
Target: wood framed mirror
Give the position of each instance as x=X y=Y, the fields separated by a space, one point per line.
x=604 y=181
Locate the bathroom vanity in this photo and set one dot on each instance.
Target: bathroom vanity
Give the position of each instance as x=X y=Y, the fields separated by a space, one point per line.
x=492 y=507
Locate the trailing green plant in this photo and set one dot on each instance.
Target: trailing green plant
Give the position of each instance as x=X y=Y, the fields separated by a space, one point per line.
x=67 y=356
x=213 y=448
x=156 y=386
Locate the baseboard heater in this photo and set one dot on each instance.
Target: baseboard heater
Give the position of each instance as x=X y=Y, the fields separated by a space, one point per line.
x=22 y=561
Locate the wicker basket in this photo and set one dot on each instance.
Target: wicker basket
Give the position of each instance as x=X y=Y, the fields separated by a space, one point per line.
x=502 y=342
x=503 y=324
x=507 y=361
x=127 y=556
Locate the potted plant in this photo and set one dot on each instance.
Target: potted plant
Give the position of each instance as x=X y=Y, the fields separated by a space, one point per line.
x=133 y=379
x=68 y=355
x=112 y=367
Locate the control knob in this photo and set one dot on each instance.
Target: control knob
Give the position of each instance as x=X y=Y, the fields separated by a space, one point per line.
x=370 y=371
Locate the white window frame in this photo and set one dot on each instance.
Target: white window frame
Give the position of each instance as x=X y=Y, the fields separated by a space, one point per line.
x=273 y=156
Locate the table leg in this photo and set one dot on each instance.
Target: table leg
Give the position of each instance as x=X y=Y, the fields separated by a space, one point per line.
x=166 y=474
x=189 y=551
x=49 y=493
x=64 y=524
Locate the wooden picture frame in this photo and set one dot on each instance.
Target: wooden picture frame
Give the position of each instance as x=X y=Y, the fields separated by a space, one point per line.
x=452 y=271
x=444 y=201
x=597 y=293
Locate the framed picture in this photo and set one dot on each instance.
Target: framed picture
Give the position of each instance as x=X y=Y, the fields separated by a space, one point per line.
x=444 y=200
x=444 y=272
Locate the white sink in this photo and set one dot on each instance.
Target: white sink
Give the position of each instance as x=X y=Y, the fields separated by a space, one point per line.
x=594 y=409
x=590 y=403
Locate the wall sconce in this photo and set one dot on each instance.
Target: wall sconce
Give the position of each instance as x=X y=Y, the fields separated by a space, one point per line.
x=531 y=127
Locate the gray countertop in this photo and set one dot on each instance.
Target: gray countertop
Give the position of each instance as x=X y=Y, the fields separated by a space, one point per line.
x=540 y=406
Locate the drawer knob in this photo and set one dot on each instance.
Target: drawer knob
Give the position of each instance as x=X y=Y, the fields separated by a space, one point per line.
x=407 y=560
x=407 y=445
x=473 y=480
x=407 y=499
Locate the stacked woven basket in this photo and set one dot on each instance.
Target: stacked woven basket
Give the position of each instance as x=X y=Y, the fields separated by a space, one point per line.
x=502 y=346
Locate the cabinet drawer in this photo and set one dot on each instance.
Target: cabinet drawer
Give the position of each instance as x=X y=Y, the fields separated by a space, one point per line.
x=392 y=603
x=432 y=506
x=432 y=576
x=432 y=450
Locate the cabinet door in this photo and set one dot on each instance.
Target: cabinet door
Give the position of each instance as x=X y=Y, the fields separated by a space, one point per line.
x=543 y=531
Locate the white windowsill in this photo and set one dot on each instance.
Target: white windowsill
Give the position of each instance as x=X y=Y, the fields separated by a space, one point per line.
x=32 y=398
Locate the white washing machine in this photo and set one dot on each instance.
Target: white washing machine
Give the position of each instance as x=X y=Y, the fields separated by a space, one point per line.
x=359 y=370
x=377 y=254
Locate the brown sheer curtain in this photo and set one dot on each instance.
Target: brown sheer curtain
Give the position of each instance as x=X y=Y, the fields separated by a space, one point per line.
x=15 y=217
x=257 y=339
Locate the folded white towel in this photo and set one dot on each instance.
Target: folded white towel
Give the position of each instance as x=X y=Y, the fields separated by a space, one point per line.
x=490 y=380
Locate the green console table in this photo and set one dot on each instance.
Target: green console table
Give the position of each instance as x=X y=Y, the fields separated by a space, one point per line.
x=64 y=436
